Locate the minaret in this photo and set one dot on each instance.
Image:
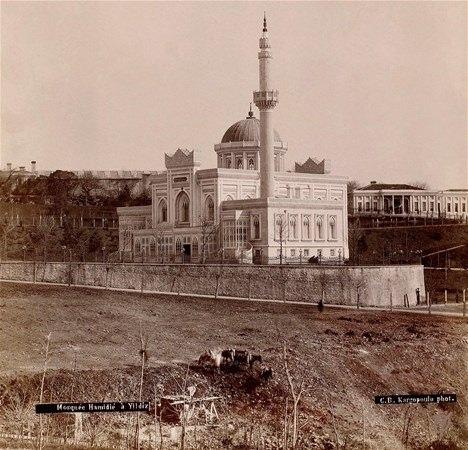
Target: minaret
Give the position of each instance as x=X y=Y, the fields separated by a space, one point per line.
x=266 y=99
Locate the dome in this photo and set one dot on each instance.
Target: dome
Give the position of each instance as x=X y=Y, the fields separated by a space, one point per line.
x=246 y=130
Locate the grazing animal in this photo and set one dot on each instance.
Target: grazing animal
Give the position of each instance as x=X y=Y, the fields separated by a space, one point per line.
x=242 y=357
x=228 y=355
x=253 y=359
x=211 y=357
x=266 y=374
x=204 y=359
x=216 y=358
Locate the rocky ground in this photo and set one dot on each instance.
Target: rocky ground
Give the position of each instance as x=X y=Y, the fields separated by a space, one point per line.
x=342 y=358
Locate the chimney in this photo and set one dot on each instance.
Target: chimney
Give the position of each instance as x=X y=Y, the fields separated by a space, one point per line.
x=373 y=182
x=33 y=166
x=8 y=166
x=22 y=168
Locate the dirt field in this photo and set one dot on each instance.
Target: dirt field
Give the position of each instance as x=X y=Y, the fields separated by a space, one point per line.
x=345 y=358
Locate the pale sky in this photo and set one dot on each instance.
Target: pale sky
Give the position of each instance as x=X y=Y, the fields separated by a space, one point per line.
x=379 y=88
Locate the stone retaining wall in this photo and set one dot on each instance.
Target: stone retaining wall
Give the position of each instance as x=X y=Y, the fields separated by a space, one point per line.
x=339 y=284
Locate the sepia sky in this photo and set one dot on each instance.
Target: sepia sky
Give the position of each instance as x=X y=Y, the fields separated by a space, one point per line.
x=379 y=88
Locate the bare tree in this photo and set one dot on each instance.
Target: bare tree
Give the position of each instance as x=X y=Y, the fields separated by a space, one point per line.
x=7 y=225
x=281 y=232
x=8 y=181
x=41 y=395
x=209 y=235
x=143 y=353
x=42 y=236
x=296 y=390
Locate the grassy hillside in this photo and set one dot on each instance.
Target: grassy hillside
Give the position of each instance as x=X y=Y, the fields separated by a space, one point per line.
x=343 y=357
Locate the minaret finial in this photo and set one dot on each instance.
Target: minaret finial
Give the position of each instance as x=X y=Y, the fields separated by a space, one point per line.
x=250 y=112
x=264 y=22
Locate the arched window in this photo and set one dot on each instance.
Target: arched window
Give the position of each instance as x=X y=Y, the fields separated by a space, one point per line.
x=319 y=227
x=332 y=224
x=137 y=246
x=153 y=246
x=256 y=227
x=306 y=228
x=280 y=227
x=228 y=163
x=228 y=197
x=162 y=211
x=293 y=227
x=178 y=246
x=195 y=247
x=182 y=208
x=251 y=164
x=209 y=209
x=240 y=164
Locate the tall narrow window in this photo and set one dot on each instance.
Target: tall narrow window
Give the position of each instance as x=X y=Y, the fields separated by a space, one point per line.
x=319 y=228
x=162 y=211
x=306 y=227
x=240 y=164
x=251 y=164
x=256 y=227
x=137 y=246
x=209 y=209
x=178 y=246
x=293 y=227
x=195 y=247
x=182 y=208
x=332 y=224
x=279 y=227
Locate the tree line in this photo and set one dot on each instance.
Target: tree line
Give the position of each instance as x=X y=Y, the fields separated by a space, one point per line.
x=63 y=188
x=48 y=241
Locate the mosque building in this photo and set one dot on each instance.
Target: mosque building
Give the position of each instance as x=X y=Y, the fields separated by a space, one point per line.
x=249 y=208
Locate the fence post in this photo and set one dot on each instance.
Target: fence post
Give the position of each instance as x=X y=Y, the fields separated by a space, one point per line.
x=142 y=278
x=391 y=302
x=428 y=302
x=69 y=271
x=464 y=302
x=34 y=271
x=357 y=298
x=107 y=277
x=445 y=296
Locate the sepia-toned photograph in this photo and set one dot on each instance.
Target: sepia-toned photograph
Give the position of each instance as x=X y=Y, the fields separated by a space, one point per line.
x=234 y=225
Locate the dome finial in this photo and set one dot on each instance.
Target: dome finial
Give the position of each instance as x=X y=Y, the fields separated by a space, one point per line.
x=250 y=112
x=264 y=22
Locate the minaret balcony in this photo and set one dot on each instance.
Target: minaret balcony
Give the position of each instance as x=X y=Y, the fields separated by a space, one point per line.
x=265 y=99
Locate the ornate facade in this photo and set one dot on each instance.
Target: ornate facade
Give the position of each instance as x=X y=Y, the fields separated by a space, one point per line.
x=249 y=207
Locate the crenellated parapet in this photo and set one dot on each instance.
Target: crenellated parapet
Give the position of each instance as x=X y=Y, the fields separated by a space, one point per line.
x=181 y=158
x=313 y=165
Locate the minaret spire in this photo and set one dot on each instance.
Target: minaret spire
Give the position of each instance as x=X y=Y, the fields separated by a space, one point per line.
x=266 y=98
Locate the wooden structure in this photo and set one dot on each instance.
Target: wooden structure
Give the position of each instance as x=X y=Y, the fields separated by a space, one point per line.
x=177 y=409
